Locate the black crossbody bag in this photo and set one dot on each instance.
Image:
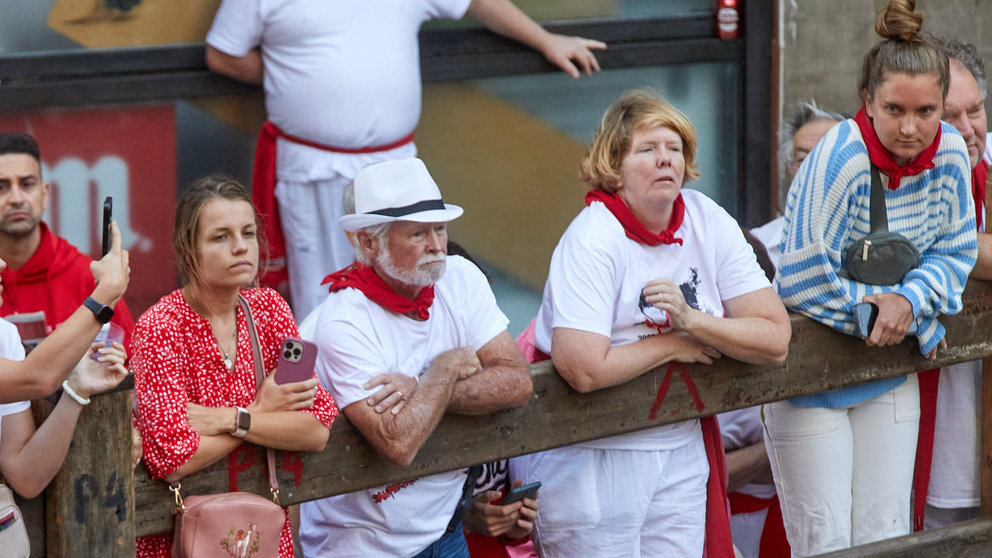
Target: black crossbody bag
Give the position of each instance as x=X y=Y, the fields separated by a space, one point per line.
x=882 y=257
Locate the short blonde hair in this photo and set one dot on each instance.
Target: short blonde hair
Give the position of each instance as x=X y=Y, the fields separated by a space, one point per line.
x=635 y=110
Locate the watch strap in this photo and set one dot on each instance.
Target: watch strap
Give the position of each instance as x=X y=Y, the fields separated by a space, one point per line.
x=102 y=312
x=239 y=430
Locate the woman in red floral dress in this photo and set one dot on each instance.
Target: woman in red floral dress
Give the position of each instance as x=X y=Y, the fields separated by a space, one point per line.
x=192 y=355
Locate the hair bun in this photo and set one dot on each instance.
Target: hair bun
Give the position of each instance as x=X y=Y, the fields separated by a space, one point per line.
x=900 y=20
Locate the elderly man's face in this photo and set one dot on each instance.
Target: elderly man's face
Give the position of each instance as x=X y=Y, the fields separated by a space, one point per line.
x=414 y=253
x=965 y=110
x=806 y=138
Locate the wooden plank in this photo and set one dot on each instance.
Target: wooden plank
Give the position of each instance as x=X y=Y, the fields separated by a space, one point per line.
x=967 y=539
x=90 y=503
x=986 y=435
x=820 y=359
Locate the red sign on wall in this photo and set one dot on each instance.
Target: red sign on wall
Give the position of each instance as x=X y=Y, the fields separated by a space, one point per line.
x=128 y=153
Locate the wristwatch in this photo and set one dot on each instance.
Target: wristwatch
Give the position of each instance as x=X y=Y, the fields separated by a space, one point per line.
x=242 y=423
x=102 y=312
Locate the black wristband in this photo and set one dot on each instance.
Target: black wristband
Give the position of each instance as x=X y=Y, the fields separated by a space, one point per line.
x=102 y=312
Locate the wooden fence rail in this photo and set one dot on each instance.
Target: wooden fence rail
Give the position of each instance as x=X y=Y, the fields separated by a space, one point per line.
x=96 y=505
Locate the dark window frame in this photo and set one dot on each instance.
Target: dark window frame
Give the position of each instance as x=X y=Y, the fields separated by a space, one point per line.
x=161 y=73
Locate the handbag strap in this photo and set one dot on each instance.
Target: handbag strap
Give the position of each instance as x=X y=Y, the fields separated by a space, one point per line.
x=259 y=378
x=876 y=204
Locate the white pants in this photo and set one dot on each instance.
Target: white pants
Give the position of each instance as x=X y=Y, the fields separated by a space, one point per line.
x=844 y=476
x=316 y=245
x=607 y=503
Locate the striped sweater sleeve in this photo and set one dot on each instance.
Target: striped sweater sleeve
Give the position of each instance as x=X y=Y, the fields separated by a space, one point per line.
x=828 y=211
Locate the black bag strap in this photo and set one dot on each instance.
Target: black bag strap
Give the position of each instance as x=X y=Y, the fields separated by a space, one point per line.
x=468 y=490
x=876 y=207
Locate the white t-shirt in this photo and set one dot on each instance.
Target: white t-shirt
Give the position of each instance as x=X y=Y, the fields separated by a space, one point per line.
x=344 y=74
x=770 y=234
x=955 y=478
x=597 y=275
x=11 y=348
x=359 y=339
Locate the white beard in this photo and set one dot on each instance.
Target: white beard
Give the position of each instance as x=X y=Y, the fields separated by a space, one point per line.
x=418 y=276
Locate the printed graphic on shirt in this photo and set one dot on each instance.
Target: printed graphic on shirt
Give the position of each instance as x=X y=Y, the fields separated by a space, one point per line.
x=389 y=491
x=657 y=319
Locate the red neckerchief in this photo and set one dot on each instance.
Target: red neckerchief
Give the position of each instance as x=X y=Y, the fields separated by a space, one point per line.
x=882 y=157
x=635 y=230
x=979 y=175
x=365 y=279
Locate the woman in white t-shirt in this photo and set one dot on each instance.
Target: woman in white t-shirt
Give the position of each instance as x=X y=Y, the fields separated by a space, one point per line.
x=645 y=275
x=30 y=457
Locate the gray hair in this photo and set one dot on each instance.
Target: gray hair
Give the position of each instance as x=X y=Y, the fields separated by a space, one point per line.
x=379 y=232
x=806 y=112
x=967 y=55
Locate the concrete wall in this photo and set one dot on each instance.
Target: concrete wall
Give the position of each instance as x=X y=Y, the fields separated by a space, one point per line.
x=823 y=42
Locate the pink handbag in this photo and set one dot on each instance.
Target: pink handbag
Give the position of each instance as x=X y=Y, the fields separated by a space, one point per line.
x=233 y=524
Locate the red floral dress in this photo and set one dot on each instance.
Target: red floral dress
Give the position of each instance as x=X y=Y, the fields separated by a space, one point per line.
x=176 y=360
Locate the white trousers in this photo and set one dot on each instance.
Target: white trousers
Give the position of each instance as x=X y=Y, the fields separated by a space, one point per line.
x=608 y=503
x=844 y=476
x=316 y=245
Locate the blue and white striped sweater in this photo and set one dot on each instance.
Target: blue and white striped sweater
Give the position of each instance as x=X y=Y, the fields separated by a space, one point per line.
x=828 y=211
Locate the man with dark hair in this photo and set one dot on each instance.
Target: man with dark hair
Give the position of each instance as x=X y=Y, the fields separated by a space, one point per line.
x=954 y=398
x=44 y=272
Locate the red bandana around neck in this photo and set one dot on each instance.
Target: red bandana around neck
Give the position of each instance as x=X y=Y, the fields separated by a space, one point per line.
x=882 y=157
x=365 y=279
x=635 y=230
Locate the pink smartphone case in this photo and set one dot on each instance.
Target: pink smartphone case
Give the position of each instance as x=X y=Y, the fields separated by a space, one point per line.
x=296 y=360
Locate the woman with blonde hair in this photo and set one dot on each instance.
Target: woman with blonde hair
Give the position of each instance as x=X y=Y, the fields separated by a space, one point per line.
x=195 y=386
x=843 y=459
x=648 y=273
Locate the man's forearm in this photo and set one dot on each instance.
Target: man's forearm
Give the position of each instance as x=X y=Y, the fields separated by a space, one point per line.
x=245 y=68
x=491 y=389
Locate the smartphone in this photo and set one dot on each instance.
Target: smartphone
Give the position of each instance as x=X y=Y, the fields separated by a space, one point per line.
x=108 y=214
x=865 y=314
x=521 y=492
x=296 y=360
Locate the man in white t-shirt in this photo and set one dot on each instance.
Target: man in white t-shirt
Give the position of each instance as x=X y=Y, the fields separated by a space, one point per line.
x=342 y=91
x=954 y=488
x=407 y=334
x=798 y=136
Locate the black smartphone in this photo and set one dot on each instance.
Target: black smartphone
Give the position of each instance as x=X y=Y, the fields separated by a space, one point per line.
x=108 y=214
x=521 y=492
x=865 y=314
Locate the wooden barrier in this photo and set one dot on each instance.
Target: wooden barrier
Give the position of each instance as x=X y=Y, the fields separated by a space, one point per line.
x=97 y=505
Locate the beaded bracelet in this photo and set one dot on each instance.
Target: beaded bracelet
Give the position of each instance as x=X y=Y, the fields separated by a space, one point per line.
x=68 y=391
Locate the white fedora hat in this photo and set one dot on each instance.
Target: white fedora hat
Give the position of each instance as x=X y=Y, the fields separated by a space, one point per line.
x=400 y=190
